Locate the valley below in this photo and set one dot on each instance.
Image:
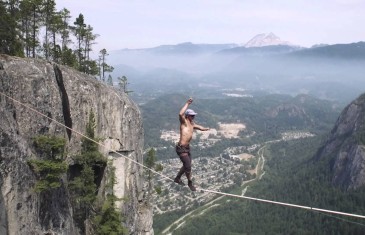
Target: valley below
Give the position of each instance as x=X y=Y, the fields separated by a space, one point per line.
x=236 y=168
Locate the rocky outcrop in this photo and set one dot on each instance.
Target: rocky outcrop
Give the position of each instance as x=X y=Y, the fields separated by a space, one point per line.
x=68 y=97
x=289 y=110
x=345 y=147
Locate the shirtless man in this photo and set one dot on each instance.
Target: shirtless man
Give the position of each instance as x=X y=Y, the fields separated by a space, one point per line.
x=187 y=126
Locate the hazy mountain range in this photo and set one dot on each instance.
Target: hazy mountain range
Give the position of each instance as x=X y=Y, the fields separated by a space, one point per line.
x=266 y=64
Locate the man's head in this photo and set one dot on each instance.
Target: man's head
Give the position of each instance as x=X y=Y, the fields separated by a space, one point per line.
x=190 y=113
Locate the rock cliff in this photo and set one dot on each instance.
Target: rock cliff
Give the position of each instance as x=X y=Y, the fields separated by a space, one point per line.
x=345 y=147
x=68 y=97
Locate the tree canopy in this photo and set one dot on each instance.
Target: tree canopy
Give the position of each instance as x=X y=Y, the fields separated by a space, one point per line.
x=34 y=28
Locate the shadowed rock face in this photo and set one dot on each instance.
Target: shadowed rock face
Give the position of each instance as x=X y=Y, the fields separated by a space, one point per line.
x=345 y=147
x=68 y=97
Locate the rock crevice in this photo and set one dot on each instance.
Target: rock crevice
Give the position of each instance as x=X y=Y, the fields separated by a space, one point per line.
x=64 y=98
x=68 y=97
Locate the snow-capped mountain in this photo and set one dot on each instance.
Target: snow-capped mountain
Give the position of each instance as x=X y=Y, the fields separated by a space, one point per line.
x=264 y=39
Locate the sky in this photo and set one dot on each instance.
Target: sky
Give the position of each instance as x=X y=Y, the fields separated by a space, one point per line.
x=149 y=23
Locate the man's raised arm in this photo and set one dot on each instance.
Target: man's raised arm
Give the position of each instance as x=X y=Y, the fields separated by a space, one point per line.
x=184 y=108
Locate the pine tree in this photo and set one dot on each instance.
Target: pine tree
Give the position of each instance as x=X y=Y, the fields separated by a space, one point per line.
x=108 y=219
x=83 y=188
x=150 y=162
x=79 y=31
x=68 y=57
x=9 y=38
x=31 y=18
x=50 y=166
x=49 y=13
x=110 y=80
x=104 y=67
x=123 y=82
x=24 y=24
x=87 y=144
x=90 y=66
x=89 y=41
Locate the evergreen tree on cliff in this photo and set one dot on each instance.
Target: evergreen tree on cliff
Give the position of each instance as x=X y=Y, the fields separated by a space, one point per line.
x=9 y=39
x=83 y=187
x=33 y=28
x=80 y=31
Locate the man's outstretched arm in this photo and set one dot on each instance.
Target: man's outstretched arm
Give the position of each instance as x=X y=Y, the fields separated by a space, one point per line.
x=201 y=128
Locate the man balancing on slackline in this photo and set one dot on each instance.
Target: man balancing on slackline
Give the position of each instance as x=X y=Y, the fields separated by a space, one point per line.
x=187 y=126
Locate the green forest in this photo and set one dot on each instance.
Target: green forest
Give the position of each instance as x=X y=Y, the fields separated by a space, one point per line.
x=35 y=29
x=294 y=113
x=291 y=176
x=292 y=173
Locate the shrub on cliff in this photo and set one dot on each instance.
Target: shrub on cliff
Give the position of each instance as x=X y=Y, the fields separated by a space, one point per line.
x=50 y=168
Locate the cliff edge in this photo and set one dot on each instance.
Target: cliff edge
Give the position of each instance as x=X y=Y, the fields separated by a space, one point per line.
x=345 y=147
x=68 y=97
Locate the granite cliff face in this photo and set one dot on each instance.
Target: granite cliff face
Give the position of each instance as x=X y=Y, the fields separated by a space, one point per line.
x=345 y=147
x=68 y=97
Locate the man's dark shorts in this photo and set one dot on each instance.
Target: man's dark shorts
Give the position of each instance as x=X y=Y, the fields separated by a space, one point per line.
x=184 y=153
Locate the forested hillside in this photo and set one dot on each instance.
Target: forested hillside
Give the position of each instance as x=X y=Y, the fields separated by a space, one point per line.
x=267 y=115
x=291 y=176
x=292 y=173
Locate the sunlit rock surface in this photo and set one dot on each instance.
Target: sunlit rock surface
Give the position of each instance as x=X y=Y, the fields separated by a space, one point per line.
x=68 y=97
x=345 y=146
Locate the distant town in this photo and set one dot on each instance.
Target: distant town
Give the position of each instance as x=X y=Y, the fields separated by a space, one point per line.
x=236 y=165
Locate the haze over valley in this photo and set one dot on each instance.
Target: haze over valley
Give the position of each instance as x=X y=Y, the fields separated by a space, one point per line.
x=264 y=65
x=261 y=101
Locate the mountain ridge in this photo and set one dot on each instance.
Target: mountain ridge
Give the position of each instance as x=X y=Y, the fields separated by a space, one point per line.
x=184 y=47
x=355 y=49
x=259 y=40
x=319 y=71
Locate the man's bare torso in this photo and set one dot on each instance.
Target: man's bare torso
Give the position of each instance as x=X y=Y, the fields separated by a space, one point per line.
x=186 y=132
